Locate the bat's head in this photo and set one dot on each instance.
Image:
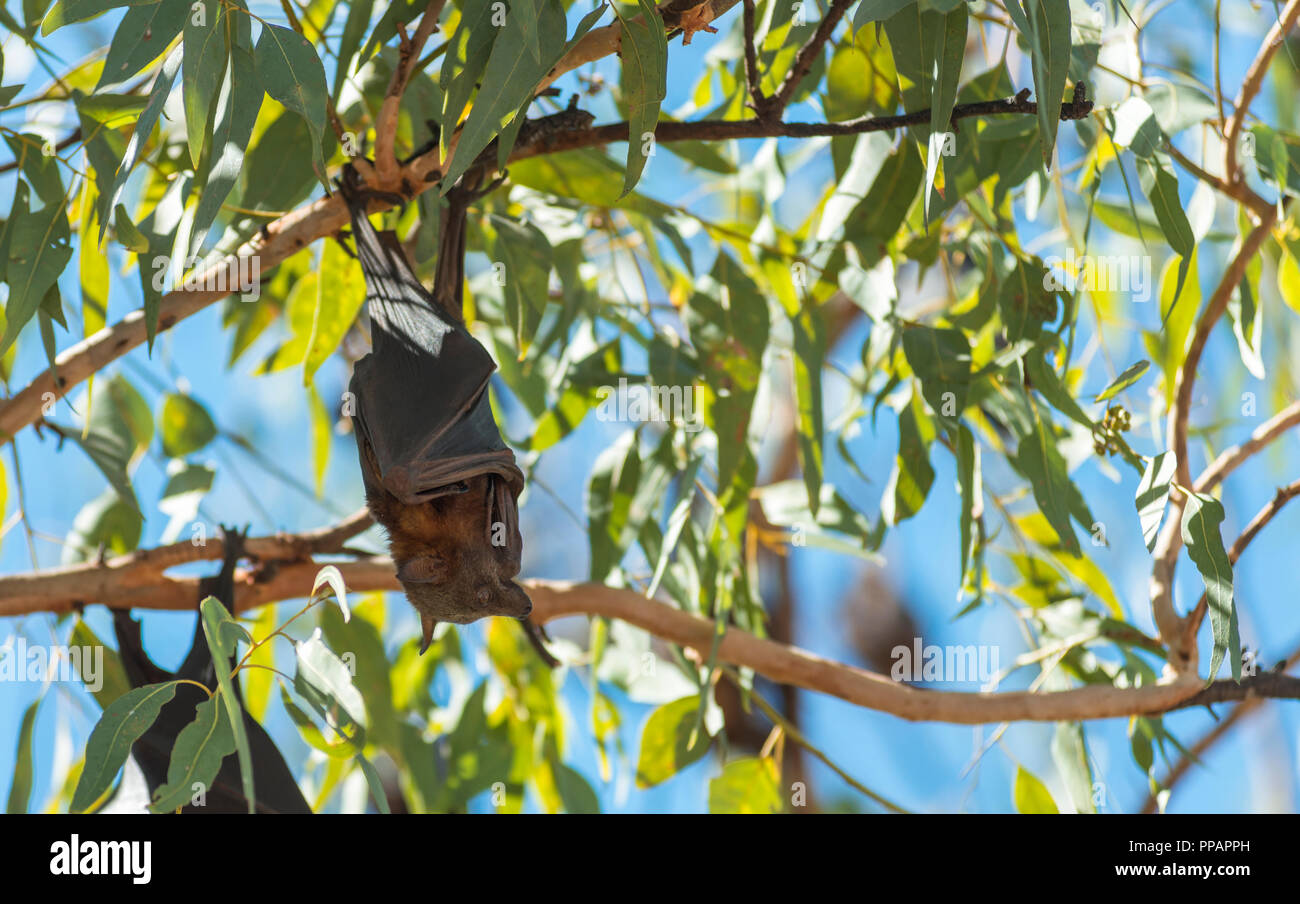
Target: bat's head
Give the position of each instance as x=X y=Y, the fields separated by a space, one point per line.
x=449 y=566
x=474 y=587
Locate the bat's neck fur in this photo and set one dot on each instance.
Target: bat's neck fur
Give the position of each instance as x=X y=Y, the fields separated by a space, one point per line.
x=442 y=523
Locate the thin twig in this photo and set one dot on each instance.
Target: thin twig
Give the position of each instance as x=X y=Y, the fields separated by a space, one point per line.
x=1262 y=517
x=760 y=103
x=1253 y=82
x=803 y=60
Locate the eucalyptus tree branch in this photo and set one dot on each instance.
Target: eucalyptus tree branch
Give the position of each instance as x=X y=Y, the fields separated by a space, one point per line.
x=114 y=584
x=1253 y=82
x=386 y=124
x=760 y=102
x=809 y=52
x=119 y=581
x=1230 y=459
x=1238 y=191
x=285 y=569
x=1197 y=751
x=604 y=41
x=326 y=216
x=1172 y=626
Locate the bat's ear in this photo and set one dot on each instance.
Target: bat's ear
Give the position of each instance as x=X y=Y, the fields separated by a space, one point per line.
x=422 y=570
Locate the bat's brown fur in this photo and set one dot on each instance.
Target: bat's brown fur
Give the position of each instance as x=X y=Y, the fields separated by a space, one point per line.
x=447 y=541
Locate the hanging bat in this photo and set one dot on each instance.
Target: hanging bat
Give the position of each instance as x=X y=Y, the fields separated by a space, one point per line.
x=274 y=785
x=437 y=475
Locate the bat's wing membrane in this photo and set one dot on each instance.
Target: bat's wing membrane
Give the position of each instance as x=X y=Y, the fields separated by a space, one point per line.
x=421 y=400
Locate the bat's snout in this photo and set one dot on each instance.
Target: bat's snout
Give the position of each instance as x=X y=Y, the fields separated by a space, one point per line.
x=509 y=600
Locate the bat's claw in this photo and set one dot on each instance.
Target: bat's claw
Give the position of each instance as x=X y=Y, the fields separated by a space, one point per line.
x=235 y=542
x=538 y=637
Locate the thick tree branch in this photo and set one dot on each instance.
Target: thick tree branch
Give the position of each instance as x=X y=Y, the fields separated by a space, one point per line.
x=551 y=599
x=285 y=569
x=121 y=580
x=137 y=581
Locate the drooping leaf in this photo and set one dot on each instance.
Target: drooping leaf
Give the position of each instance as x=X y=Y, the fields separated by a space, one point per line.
x=468 y=49
x=144 y=33
x=510 y=78
x=216 y=624
x=1131 y=375
x=948 y=53
x=65 y=12
x=747 y=785
x=120 y=726
x=374 y=783
x=41 y=170
x=206 y=54
x=196 y=757
x=910 y=481
x=665 y=742
x=524 y=257
x=969 y=480
x=242 y=101
x=20 y=786
x=1049 y=40
x=1038 y=458
x=185 y=425
x=809 y=356
x=158 y=94
x=110 y=682
x=291 y=72
x=38 y=247
x=105 y=523
x=131 y=238
x=323 y=680
x=1070 y=753
x=1153 y=493
x=92 y=266
x=1201 y=519
x=1030 y=795
x=941 y=360
x=340 y=291
x=644 y=51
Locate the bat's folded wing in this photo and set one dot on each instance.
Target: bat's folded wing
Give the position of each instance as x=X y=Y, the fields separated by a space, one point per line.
x=421 y=394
